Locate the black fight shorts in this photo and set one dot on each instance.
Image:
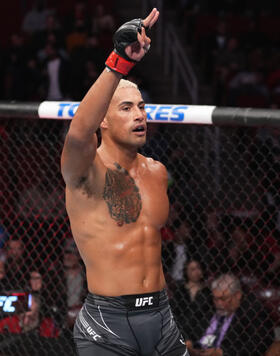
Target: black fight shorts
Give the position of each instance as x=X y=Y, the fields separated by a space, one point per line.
x=141 y=325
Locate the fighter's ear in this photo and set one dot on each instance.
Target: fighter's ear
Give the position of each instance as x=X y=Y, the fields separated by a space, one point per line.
x=104 y=123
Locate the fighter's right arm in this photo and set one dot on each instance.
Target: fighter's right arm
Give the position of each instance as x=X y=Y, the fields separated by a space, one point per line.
x=79 y=151
x=80 y=145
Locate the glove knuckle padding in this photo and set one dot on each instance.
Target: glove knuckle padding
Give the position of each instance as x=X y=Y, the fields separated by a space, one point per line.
x=126 y=35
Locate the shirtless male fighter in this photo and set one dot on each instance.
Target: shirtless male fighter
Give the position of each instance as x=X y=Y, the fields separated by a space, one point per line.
x=117 y=202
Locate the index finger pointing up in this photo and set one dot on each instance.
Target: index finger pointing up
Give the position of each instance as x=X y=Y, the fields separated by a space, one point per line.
x=151 y=19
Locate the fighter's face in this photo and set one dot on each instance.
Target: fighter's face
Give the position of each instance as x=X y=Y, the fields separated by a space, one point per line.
x=125 y=121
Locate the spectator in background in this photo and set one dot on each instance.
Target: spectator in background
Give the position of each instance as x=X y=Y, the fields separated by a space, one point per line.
x=186 y=12
x=181 y=238
x=239 y=326
x=4 y=237
x=33 y=86
x=77 y=37
x=248 y=87
x=253 y=252
x=266 y=168
x=43 y=53
x=75 y=280
x=239 y=251
x=86 y=64
x=56 y=71
x=3 y=286
x=65 y=287
x=29 y=321
x=78 y=15
x=54 y=295
x=253 y=37
x=41 y=201
x=102 y=21
x=35 y=282
x=268 y=161
x=91 y=74
x=15 y=61
x=3 y=279
x=265 y=252
x=213 y=43
x=103 y=24
x=16 y=265
x=35 y=19
x=94 y=51
x=195 y=246
x=167 y=237
x=192 y=300
x=168 y=253
x=52 y=28
x=226 y=62
x=41 y=284
x=216 y=242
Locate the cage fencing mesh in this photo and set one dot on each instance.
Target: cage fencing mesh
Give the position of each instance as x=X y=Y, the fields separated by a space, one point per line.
x=224 y=218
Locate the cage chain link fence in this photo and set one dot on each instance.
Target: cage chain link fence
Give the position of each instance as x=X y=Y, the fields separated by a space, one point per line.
x=224 y=217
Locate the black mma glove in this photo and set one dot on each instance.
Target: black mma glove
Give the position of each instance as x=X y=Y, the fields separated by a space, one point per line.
x=118 y=61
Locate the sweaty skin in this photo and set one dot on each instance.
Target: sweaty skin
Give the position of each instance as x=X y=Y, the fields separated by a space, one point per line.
x=117 y=228
x=116 y=199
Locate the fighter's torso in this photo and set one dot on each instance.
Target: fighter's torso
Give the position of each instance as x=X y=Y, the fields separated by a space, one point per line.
x=116 y=226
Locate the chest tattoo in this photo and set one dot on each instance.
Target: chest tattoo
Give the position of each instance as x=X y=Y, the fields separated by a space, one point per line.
x=122 y=196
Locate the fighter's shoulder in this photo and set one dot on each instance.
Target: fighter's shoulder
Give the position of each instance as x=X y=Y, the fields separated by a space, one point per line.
x=155 y=167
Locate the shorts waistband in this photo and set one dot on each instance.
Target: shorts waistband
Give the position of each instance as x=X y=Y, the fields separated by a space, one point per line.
x=131 y=301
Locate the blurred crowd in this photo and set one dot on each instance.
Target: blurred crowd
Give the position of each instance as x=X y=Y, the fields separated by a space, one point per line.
x=59 y=50
x=236 y=48
x=60 y=286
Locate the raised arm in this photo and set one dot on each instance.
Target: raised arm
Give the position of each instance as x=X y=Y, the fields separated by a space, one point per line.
x=79 y=151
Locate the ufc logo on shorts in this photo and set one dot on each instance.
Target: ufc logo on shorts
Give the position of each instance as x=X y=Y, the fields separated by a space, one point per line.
x=93 y=333
x=141 y=302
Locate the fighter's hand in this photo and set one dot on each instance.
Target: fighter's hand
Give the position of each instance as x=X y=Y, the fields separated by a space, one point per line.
x=131 y=43
x=137 y=50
